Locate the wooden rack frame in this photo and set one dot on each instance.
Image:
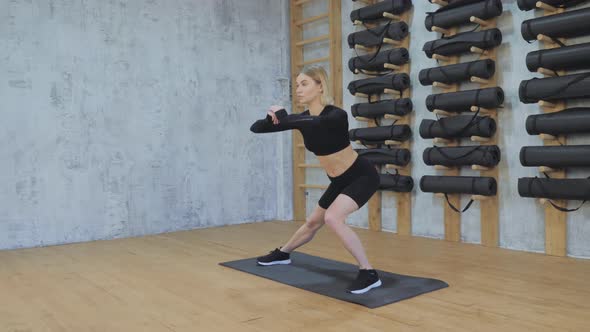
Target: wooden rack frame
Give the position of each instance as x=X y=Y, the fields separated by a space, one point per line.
x=334 y=36
x=403 y=200
x=555 y=220
x=489 y=205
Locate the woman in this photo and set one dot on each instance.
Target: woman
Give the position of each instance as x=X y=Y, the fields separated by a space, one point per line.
x=353 y=180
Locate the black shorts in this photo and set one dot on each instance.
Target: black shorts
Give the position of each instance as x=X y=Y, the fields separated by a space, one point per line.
x=359 y=182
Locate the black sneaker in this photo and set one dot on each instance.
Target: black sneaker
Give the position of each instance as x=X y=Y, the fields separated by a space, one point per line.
x=364 y=282
x=274 y=257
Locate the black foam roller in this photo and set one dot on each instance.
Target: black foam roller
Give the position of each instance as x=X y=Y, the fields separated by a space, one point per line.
x=472 y=185
x=392 y=156
x=560 y=58
x=375 y=11
x=483 y=155
x=458 y=126
x=568 y=121
x=569 y=24
x=460 y=12
x=462 y=101
x=400 y=107
x=531 y=4
x=462 y=42
x=459 y=72
x=372 y=62
x=378 y=135
x=374 y=37
x=398 y=183
x=555 y=88
x=556 y=156
x=376 y=85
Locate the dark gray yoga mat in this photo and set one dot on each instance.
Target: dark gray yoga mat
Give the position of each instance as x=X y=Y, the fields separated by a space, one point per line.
x=330 y=278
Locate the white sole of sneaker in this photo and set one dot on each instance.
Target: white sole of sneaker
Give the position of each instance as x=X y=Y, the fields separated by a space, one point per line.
x=368 y=288
x=285 y=262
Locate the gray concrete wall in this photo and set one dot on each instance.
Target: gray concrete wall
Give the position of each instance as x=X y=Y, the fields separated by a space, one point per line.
x=521 y=219
x=123 y=118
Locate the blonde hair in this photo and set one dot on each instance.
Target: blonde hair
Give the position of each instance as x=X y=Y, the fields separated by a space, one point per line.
x=319 y=75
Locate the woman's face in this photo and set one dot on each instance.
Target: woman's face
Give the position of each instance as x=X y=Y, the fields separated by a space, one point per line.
x=307 y=89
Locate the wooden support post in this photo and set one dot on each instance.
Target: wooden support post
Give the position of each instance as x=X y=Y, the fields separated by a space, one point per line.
x=550 y=9
x=441 y=57
x=442 y=85
x=555 y=220
x=481 y=139
x=440 y=2
x=391 y=66
x=391 y=41
x=547 y=137
x=404 y=200
x=391 y=92
x=546 y=72
x=479 y=80
x=546 y=104
x=478 y=50
x=443 y=113
x=391 y=16
x=439 y=140
x=392 y=116
x=479 y=21
x=444 y=31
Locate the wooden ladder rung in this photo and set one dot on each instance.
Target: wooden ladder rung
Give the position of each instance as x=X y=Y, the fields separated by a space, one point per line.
x=309 y=62
x=301 y=2
x=313 y=40
x=301 y=145
x=311 y=19
x=309 y=166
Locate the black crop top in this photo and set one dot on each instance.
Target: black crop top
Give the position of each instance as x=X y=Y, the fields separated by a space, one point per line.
x=323 y=134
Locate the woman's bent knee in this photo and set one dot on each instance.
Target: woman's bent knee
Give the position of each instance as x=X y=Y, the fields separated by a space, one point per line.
x=333 y=220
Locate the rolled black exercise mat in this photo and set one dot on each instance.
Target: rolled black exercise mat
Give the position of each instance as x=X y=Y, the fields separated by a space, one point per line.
x=376 y=85
x=458 y=126
x=573 y=189
x=400 y=107
x=396 y=182
x=556 y=156
x=531 y=4
x=462 y=42
x=459 y=13
x=374 y=37
x=462 y=101
x=473 y=185
x=375 y=11
x=459 y=72
x=372 y=62
x=392 y=156
x=560 y=58
x=483 y=155
x=554 y=88
x=568 y=121
x=567 y=24
x=378 y=135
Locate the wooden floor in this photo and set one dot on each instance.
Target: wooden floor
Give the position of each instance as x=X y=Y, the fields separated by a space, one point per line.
x=172 y=282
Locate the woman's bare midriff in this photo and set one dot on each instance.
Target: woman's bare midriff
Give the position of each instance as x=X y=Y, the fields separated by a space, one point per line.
x=338 y=162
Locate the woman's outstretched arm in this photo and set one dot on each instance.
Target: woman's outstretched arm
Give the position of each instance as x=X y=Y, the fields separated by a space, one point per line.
x=297 y=121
